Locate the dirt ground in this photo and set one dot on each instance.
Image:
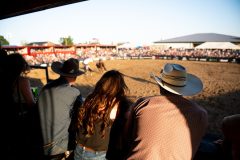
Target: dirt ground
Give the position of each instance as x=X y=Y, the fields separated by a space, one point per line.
x=220 y=96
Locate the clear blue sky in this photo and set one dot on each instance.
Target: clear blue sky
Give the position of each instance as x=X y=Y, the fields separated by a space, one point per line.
x=137 y=21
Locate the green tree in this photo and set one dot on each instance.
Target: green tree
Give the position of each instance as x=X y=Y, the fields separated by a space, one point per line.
x=3 y=41
x=68 y=41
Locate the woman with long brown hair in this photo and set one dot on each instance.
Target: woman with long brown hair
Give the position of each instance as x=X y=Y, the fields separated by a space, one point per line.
x=97 y=113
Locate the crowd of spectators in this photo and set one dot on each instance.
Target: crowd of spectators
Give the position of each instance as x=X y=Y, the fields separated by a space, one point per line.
x=187 y=54
x=206 y=53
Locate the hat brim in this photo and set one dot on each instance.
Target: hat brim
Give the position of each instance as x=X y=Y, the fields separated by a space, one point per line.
x=56 y=67
x=193 y=86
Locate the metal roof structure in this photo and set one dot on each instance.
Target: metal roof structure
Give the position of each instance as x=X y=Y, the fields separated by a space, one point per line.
x=201 y=38
x=11 y=8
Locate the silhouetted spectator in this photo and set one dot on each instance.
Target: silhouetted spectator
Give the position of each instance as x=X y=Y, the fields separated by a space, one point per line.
x=168 y=126
x=56 y=99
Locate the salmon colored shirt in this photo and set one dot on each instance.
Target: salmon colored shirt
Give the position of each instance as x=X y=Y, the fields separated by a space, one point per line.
x=166 y=128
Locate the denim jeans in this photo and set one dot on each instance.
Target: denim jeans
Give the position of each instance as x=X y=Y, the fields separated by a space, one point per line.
x=81 y=154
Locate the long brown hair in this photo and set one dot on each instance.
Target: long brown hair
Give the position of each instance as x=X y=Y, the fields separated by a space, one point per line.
x=108 y=92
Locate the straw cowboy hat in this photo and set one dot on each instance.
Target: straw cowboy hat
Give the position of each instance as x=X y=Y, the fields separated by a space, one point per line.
x=175 y=79
x=69 y=68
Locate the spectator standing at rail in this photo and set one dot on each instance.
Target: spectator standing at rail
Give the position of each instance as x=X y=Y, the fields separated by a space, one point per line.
x=56 y=99
x=168 y=126
x=17 y=95
x=97 y=113
x=231 y=133
x=17 y=70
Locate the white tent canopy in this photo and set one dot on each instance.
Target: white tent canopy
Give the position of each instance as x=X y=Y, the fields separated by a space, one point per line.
x=128 y=46
x=218 y=45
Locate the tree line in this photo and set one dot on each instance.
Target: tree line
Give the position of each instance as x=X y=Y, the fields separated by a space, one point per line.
x=63 y=40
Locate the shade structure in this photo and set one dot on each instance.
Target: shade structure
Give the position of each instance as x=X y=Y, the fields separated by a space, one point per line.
x=11 y=8
x=217 y=45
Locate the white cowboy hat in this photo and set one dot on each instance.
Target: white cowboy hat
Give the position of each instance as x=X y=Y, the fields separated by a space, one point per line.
x=175 y=79
x=69 y=68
